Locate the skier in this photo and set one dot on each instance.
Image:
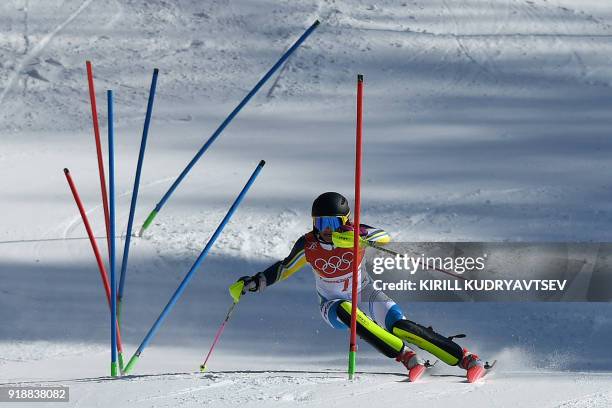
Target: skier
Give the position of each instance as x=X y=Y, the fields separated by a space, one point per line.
x=385 y=327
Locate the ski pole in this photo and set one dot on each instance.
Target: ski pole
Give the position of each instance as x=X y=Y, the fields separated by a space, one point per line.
x=111 y=188
x=179 y=291
x=221 y=127
x=341 y=240
x=235 y=291
x=128 y=234
x=355 y=283
x=96 y=127
x=96 y=251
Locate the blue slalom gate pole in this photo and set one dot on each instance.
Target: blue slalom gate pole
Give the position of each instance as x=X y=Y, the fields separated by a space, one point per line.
x=223 y=125
x=179 y=291
x=143 y=145
x=111 y=185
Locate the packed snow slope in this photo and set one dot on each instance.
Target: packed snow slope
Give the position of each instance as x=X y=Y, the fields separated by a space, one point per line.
x=484 y=121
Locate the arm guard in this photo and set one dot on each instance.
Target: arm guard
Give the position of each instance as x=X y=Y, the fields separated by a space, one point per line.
x=281 y=270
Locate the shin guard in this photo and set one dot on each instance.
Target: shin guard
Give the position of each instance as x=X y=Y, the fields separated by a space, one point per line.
x=427 y=339
x=385 y=342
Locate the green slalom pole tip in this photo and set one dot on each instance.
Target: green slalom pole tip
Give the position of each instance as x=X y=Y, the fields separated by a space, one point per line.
x=130 y=364
x=147 y=222
x=351 y=367
x=114 y=370
x=120 y=358
x=203 y=368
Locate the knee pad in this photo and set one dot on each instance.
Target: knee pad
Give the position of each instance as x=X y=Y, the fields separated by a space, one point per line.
x=385 y=342
x=427 y=339
x=394 y=315
x=329 y=312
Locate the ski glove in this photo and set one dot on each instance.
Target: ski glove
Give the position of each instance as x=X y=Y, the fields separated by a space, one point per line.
x=255 y=283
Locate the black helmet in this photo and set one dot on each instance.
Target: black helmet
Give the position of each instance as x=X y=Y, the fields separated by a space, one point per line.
x=330 y=204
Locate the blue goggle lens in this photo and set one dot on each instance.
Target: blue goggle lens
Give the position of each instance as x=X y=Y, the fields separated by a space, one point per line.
x=333 y=223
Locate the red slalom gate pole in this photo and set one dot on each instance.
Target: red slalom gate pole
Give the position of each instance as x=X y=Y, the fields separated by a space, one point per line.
x=96 y=126
x=355 y=286
x=96 y=251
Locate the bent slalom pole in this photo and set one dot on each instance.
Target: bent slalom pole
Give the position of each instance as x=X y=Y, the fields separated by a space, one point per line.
x=345 y=240
x=179 y=291
x=96 y=251
x=355 y=283
x=111 y=191
x=128 y=234
x=235 y=292
x=96 y=127
x=223 y=125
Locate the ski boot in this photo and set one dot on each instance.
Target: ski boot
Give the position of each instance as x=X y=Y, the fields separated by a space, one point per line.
x=416 y=366
x=473 y=365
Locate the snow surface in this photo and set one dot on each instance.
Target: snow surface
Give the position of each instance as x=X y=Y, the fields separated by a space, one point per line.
x=484 y=120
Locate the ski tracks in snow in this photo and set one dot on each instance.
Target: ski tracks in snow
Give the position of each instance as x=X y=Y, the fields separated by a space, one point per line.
x=463 y=49
x=67 y=228
x=321 y=388
x=39 y=47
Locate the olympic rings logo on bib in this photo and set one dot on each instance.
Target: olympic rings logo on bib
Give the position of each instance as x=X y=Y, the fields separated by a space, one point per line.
x=334 y=265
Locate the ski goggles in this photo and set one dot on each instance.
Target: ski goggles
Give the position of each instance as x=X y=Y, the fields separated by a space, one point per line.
x=334 y=223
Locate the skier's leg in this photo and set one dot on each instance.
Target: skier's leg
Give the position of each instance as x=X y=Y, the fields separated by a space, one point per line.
x=337 y=313
x=385 y=342
x=329 y=312
x=386 y=312
x=380 y=307
x=426 y=338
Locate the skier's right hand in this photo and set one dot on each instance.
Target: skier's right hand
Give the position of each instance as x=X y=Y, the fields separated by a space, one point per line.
x=254 y=283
